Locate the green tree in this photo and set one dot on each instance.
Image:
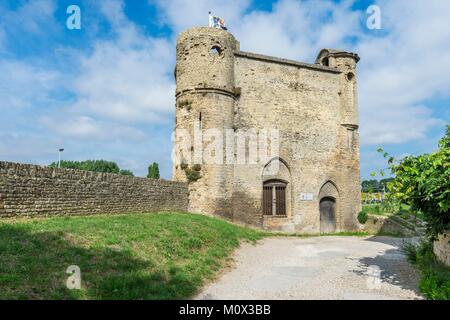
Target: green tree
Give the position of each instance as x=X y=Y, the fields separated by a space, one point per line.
x=445 y=141
x=384 y=184
x=370 y=186
x=94 y=166
x=423 y=183
x=153 y=171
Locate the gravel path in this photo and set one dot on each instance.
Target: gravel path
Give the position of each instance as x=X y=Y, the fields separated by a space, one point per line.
x=318 y=268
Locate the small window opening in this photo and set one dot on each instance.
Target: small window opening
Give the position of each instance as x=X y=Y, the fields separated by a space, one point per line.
x=215 y=51
x=350 y=76
x=326 y=62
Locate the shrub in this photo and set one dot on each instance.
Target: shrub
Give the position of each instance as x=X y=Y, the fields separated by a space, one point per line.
x=422 y=183
x=126 y=173
x=434 y=281
x=185 y=104
x=192 y=175
x=362 y=217
x=184 y=166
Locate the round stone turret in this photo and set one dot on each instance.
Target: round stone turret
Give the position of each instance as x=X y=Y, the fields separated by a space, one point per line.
x=205 y=99
x=205 y=59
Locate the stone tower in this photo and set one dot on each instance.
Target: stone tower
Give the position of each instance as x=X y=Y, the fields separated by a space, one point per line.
x=222 y=91
x=205 y=98
x=349 y=123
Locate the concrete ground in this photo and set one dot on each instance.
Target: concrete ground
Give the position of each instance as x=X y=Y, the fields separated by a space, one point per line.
x=318 y=268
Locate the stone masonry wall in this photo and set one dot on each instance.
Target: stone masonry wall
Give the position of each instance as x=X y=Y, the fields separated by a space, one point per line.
x=314 y=108
x=305 y=102
x=442 y=248
x=29 y=190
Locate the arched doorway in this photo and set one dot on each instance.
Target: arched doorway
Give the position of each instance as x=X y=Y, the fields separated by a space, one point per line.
x=327 y=215
x=329 y=207
x=274 y=198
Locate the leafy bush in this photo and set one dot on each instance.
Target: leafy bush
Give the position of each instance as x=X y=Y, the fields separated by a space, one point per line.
x=434 y=281
x=422 y=182
x=192 y=175
x=184 y=166
x=362 y=217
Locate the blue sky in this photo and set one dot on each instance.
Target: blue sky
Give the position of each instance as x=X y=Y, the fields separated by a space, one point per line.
x=106 y=91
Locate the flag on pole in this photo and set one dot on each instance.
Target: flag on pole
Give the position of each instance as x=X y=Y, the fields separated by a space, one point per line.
x=216 y=22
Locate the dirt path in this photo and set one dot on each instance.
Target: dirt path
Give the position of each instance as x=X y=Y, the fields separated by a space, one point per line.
x=318 y=268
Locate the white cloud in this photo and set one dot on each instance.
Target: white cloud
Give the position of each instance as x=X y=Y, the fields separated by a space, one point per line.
x=397 y=124
x=93 y=107
x=23 y=85
x=86 y=128
x=298 y=30
x=24 y=145
x=404 y=69
x=183 y=14
x=36 y=16
x=399 y=71
x=125 y=80
x=127 y=83
x=129 y=78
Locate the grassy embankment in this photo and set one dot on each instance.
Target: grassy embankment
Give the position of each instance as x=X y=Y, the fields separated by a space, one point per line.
x=434 y=281
x=136 y=256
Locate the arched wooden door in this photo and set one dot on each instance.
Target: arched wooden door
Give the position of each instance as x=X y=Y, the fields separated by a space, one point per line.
x=327 y=215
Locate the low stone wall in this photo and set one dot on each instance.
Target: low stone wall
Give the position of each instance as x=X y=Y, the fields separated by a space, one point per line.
x=386 y=225
x=442 y=248
x=29 y=190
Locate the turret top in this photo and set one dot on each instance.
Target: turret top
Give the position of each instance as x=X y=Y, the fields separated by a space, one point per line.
x=326 y=53
x=205 y=31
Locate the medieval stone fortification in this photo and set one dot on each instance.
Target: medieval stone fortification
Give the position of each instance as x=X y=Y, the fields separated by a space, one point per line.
x=315 y=109
x=31 y=191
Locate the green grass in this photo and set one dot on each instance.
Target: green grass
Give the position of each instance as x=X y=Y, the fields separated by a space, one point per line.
x=434 y=281
x=385 y=210
x=375 y=209
x=136 y=256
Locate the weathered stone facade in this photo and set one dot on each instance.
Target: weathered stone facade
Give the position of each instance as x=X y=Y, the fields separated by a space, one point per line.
x=29 y=190
x=314 y=107
x=442 y=248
